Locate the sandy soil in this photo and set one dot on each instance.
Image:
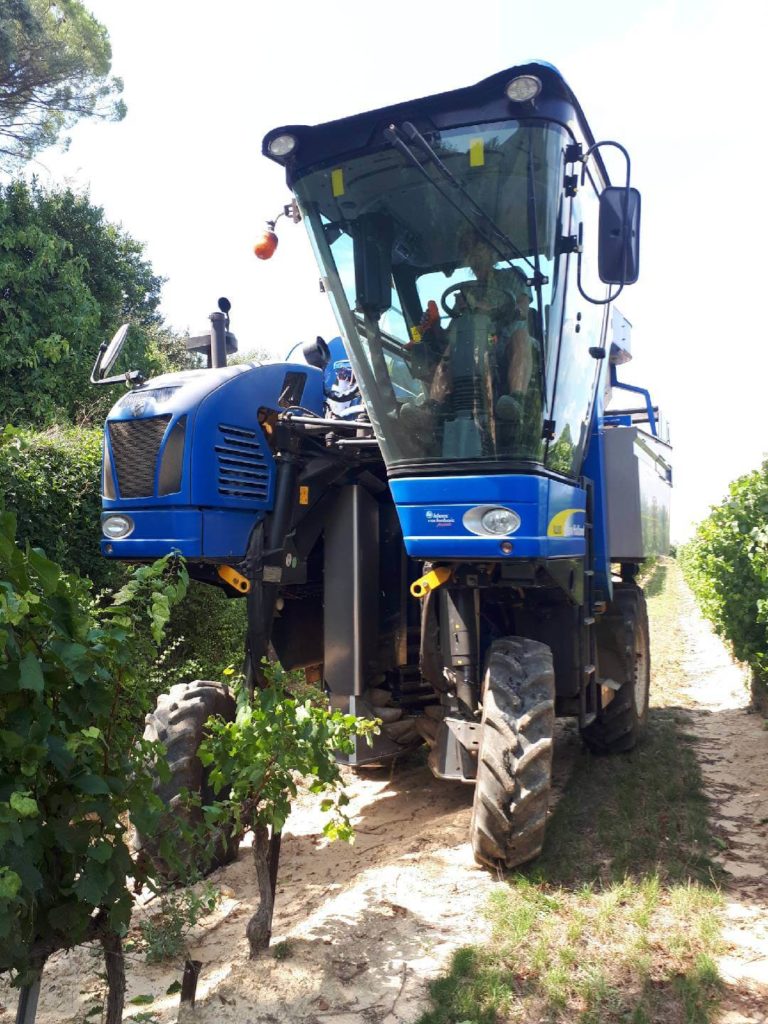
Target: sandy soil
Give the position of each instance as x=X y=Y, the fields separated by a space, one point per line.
x=367 y=926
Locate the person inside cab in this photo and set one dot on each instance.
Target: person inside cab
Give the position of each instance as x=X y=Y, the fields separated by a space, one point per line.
x=477 y=366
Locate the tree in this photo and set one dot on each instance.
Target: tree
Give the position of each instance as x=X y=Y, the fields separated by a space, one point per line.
x=55 y=62
x=68 y=278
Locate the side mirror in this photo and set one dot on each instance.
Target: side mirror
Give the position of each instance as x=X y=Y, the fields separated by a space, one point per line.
x=317 y=353
x=112 y=351
x=618 y=260
x=106 y=359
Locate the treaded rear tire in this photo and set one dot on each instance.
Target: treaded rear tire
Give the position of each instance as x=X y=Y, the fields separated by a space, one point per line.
x=623 y=654
x=178 y=722
x=514 y=768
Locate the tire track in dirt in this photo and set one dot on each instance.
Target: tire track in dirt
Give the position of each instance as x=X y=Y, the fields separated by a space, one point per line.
x=697 y=671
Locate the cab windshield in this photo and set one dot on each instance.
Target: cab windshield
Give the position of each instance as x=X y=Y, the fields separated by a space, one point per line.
x=441 y=272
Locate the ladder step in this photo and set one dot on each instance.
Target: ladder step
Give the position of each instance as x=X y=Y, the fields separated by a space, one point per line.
x=589 y=718
x=589 y=621
x=589 y=670
x=589 y=572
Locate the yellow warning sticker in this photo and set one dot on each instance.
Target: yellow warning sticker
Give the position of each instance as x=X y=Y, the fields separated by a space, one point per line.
x=476 y=152
x=303 y=495
x=337 y=181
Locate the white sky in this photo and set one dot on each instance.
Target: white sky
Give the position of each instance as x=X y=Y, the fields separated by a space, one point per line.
x=678 y=83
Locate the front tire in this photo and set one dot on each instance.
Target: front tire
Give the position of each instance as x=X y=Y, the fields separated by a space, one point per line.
x=623 y=655
x=514 y=770
x=178 y=722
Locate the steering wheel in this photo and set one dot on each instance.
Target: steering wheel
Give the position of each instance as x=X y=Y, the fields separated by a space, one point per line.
x=458 y=290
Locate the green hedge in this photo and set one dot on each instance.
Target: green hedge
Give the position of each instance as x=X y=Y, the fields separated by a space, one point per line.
x=726 y=565
x=51 y=480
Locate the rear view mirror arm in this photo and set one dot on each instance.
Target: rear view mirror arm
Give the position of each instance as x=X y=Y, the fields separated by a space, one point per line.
x=584 y=158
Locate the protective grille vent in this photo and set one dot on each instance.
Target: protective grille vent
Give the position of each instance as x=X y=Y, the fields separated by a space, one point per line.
x=242 y=469
x=135 y=444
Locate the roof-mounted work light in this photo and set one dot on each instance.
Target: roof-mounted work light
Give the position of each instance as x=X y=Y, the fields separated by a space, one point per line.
x=523 y=88
x=282 y=145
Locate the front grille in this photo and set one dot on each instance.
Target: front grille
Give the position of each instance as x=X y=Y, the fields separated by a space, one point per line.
x=135 y=444
x=243 y=472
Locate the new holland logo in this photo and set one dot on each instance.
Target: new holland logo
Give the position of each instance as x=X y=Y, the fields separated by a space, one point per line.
x=137 y=406
x=568 y=523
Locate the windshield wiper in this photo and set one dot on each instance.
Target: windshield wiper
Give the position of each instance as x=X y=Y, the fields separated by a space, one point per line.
x=488 y=229
x=392 y=135
x=538 y=277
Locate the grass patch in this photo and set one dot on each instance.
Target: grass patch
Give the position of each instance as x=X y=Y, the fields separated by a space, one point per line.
x=632 y=815
x=654 y=581
x=618 y=921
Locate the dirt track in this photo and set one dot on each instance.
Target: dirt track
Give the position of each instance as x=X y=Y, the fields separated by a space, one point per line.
x=366 y=926
x=732 y=750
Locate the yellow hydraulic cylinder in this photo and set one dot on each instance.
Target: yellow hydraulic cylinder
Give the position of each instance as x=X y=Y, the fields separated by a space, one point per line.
x=431 y=580
x=234 y=579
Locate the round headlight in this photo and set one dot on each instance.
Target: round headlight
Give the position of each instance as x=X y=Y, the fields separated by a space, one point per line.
x=117 y=527
x=523 y=88
x=282 y=145
x=500 y=521
x=491 y=521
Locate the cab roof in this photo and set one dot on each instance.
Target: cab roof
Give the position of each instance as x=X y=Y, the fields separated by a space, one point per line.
x=483 y=102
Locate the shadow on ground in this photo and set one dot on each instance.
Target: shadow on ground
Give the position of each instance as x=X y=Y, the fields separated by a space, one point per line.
x=590 y=931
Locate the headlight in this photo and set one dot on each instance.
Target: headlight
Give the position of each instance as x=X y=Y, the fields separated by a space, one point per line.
x=282 y=145
x=491 y=521
x=500 y=520
x=523 y=88
x=117 y=527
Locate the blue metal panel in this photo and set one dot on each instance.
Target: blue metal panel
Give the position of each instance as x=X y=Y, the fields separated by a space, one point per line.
x=227 y=470
x=594 y=469
x=237 y=406
x=227 y=474
x=431 y=511
x=198 y=534
x=225 y=534
x=157 y=532
x=231 y=396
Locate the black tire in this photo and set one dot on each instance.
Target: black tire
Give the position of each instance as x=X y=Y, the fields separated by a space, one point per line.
x=398 y=733
x=514 y=768
x=178 y=722
x=623 y=655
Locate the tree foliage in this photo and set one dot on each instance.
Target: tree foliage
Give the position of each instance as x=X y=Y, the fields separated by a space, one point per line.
x=70 y=764
x=55 y=61
x=68 y=278
x=726 y=564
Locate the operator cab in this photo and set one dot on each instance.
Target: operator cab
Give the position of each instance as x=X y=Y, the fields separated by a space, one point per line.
x=443 y=229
